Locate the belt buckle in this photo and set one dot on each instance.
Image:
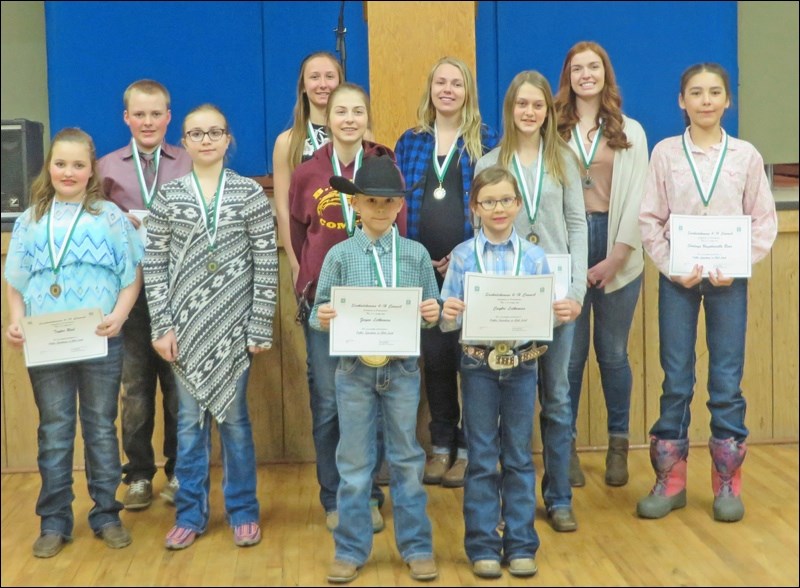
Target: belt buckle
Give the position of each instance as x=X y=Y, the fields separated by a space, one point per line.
x=375 y=361
x=502 y=361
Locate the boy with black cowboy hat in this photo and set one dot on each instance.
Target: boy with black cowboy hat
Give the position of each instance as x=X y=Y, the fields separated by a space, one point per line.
x=376 y=256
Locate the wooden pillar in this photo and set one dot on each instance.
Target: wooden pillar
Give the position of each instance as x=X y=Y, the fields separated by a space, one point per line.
x=405 y=40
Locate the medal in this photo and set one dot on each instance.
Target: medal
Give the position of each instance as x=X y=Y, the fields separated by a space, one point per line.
x=375 y=361
x=212 y=266
x=588 y=182
x=210 y=215
x=441 y=170
x=147 y=192
x=439 y=193
x=55 y=290
x=57 y=253
x=533 y=237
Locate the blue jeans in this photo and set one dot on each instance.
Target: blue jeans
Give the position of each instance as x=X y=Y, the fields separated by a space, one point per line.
x=613 y=316
x=498 y=412
x=325 y=416
x=91 y=389
x=194 y=457
x=360 y=390
x=726 y=326
x=556 y=418
x=140 y=369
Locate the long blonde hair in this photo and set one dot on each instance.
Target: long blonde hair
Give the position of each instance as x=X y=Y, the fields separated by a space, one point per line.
x=42 y=190
x=610 y=99
x=553 y=144
x=302 y=109
x=471 y=123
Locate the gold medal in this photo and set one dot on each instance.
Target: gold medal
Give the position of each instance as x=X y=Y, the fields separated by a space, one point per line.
x=55 y=290
x=374 y=360
x=212 y=266
x=439 y=193
x=533 y=237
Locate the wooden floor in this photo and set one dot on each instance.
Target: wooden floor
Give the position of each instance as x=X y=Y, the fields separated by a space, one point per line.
x=612 y=547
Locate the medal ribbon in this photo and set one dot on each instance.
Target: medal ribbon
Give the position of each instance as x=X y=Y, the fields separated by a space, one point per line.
x=312 y=136
x=57 y=254
x=587 y=159
x=531 y=200
x=348 y=213
x=517 y=246
x=147 y=193
x=210 y=221
x=441 y=170
x=377 y=262
x=705 y=195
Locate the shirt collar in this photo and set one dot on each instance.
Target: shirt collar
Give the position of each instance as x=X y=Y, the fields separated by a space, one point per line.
x=512 y=241
x=364 y=244
x=695 y=149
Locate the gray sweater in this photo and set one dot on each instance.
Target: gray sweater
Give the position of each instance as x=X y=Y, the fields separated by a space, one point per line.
x=561 y=220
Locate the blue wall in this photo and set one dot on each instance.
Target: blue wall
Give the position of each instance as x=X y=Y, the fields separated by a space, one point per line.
x=244 y=57
x=650 y=45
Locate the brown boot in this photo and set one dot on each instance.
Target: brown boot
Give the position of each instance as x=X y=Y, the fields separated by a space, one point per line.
x=617 y=461
x=454 y=478
x=436 y=467
x=576 y=477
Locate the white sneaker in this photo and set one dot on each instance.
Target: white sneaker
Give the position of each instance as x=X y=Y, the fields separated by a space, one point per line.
x=168 y=492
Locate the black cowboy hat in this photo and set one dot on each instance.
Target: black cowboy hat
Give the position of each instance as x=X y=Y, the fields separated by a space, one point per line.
x=377 y=176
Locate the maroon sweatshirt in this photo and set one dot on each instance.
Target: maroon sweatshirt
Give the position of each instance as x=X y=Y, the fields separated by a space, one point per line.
x=316 y=221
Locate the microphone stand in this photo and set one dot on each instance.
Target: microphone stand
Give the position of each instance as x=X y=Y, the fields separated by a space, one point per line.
x=340 y=42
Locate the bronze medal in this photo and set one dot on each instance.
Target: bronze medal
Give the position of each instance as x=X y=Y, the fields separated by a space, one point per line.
x=212 y=266
x=533 y=238
x=55 y=290
x=588 y=182
x=375 y=361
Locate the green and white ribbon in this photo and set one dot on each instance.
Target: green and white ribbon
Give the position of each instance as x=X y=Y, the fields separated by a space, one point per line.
x=530 y=197
x=147 y=193
x=348 y=213
x=377 y=262
x=705 y=194
x=210 y=221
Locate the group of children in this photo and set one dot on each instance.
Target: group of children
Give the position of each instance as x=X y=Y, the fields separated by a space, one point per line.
x=573 y=162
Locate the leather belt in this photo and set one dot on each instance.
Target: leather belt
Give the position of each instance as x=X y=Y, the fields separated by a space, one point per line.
x=508 y=359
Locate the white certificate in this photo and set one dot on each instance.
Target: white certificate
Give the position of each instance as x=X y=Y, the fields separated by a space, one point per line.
x=62 y=337
x=714 y=242
x=375 y=321
x=561 y=267
x=507 y=307
x=142 y=230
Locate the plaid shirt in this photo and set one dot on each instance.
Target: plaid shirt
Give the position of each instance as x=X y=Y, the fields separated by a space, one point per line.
x=414 y=152
x=350 y=263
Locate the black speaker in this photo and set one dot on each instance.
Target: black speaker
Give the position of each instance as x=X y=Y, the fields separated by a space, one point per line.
x=23 y=156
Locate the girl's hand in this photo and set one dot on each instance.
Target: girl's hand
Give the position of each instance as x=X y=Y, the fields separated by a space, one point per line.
x=442 y=265
x=429 y=309
x=14 y=336
x=717 y=278
x=566 y=310
x=452 y=308
x=692 y=279
x=111 y=326
x=254 y=349
x=598 y=276
x=326 y=313
x=167 y=346
x=135 y=220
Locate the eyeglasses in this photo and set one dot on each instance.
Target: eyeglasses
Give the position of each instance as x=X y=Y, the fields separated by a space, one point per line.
x=197 y=135
x=492 y=204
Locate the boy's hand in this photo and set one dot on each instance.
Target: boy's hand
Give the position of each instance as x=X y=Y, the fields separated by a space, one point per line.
x=326 y=313
x=14 y=336
x=429 y=309
x=452 y=308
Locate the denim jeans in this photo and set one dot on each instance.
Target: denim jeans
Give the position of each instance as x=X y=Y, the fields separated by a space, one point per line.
x=442 y=354
x=194 y=456
x=325 y=415
x=556 y=418
x=360 y=390
x=613 y=316
x=498 y=412
x=140 y=369
x=726 y=326
x=91 y=389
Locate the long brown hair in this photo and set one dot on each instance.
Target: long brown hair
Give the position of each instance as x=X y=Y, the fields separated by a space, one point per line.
x=42 y=189
x=302 y=109
x=610 y=99
x=471 y=122
x=553 y=144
